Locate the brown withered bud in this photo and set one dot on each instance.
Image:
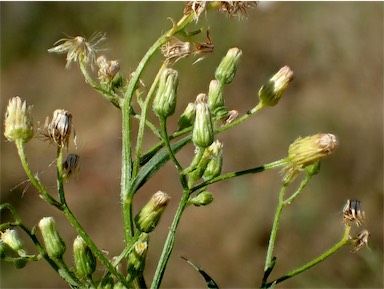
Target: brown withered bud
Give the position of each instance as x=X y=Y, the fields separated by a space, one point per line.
x=175 y=49
x=60 y=127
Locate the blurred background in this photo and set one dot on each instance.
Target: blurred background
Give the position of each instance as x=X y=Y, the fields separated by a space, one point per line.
x=336 y=51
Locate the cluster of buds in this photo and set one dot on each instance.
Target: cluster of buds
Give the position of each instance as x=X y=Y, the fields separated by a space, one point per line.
x=149 y=216
x=202 y=199
x=18 y=121
x=60 y=127
x=352 y=213
x=78 y=49
x=108 y=69
x=307 y=151
x=164 y=104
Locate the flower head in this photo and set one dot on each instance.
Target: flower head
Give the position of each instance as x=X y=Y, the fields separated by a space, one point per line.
x=236 y=9
x=175 y=49
x=360 y=240
x=202 y=134
x=54 y=245
x=59 y=129
x=78 y=49
x=164 y=103
x=195 y=7
x=227 y=68
x=18 y=121
x=10 y=238
x=352 y=212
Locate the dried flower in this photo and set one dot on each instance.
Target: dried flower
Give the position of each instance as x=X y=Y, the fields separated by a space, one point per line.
x=236 y=9
x=227 y=68
x=149 y=216
x=18 y=121
x=175 y=49
x=107 y=69
x=308 y=150
x=59 y=129
x=271 y=92
x=195 y=7
x=164 y=103
x=202 y=134
x=352 y=212
x=203 y=48
x=78 y=49
x=231 y=116
x=85 y=261
x=54 y=245
x=71 y=165
x=360 y=240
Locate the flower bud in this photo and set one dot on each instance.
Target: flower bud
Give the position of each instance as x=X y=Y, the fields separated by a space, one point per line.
x=215 y=165
x=85 y=261
x=59 y=129
x=202 y=134
x=164 y=103
x=226 y=70
x=309 y=150
x=18 y=121
x=21 y=262
x=54 y=245
x=10 y=238
x=149 y=216
x=188 y=116
x=271 y=92
x=202 y=199
x=136 y=258
x=216 y=99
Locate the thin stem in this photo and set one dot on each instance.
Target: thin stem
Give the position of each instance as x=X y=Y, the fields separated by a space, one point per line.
x=240 y=173
x=60 y=184
x=67 y=275
x=163 y=124
x=95 y=250
x=35 y=182
x=344 y=240
x=169 y=243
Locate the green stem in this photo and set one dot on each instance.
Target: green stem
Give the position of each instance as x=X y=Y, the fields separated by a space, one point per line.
x=114 y=99
x=60 y=184
x=95 y=250
x=35 y=182
x=170 y=241
x=240 y=173
x=163 y=124
x=344 y=240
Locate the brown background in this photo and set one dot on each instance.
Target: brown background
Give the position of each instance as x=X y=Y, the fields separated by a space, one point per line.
x=336 y=51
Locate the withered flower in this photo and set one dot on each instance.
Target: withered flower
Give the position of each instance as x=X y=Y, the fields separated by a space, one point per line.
x=59 y=129
x=195 y=7
x=352 y=212
x=78 y=49
x=231 y=116
x=175 y=49
x=236 y=9
x=107 y=69
x=203 y=48
x=71 y=165
x=360 y=240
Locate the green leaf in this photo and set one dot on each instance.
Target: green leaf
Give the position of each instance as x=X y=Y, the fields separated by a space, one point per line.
x=210 y=282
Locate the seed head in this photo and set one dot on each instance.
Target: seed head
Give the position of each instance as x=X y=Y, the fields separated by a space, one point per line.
x=78 y=49
x=195 y=7
x=59 y=129
x=271 y=92
x=18 y=121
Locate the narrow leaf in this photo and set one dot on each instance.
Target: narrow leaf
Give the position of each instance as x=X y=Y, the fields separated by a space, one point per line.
x=210 y=282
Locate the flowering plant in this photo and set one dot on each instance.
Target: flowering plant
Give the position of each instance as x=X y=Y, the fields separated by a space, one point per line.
x=201 y=123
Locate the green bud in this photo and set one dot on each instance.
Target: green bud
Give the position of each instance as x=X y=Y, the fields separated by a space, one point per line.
x=54 y=245
x=18 y=121
x=85 y=261
x=106 y=283
x=10 y=238
x=188 y=116
x=202 y=134
x=271 y=92
x=21 y=262
x=136 y=258
x=227 y=68
x=202 y=199
x=216 y=99
x=149 y=216
x=215 y=165
x=164 y=103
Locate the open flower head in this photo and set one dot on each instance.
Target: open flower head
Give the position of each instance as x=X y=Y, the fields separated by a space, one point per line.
x=78 y=49
x=18 y=120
